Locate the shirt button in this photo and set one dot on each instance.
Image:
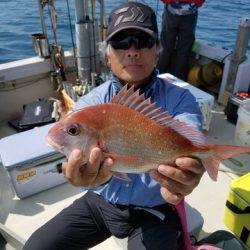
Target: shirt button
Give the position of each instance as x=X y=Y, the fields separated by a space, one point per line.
x=127 y=185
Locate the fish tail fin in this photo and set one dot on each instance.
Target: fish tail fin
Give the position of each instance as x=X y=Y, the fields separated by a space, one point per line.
x=221 y=152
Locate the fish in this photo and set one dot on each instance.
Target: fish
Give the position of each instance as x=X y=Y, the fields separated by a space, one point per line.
x=137 y=135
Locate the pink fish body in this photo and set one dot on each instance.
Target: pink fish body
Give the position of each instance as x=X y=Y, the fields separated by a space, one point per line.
x=136 y=135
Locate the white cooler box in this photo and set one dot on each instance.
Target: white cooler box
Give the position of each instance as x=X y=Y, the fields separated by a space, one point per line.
x=30 y=163
x=205 y=100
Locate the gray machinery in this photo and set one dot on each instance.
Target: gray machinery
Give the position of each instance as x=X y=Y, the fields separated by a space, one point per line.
x=236 y=63
x=237 y=66
x=88 y=35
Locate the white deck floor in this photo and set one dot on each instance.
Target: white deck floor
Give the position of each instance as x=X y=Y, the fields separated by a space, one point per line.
x=24 y=216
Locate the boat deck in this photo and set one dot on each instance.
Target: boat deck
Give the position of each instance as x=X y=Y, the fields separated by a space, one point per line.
x=24 y=216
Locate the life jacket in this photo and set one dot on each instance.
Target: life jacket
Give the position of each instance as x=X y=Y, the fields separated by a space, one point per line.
x=185 y=242
x=197 y=2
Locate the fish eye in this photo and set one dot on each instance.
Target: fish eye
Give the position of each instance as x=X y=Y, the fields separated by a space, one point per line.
x=73 y=130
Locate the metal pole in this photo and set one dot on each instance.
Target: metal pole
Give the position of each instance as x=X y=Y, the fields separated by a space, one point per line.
x=83 y=50
x=87 y=40
x=80 y=11
x=42 y=17
x=238 y=56
x=103 y=25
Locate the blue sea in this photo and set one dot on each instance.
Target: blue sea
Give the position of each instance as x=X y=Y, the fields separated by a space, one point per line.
x=217 y=23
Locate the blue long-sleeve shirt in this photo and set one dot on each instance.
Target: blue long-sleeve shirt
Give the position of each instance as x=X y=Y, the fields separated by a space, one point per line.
x=142 y=190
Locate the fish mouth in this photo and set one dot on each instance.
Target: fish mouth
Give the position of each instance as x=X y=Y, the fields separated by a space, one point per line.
x=53 y=144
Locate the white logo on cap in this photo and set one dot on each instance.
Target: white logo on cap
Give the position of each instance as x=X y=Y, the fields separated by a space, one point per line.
x=136 y=15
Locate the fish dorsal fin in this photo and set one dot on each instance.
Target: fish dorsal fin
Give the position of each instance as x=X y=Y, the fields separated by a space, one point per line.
x=119 y=95
x=132 y=99
x=195 y=136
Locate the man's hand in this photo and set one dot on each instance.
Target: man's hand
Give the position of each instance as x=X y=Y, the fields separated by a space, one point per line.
x=92 y=174
x=179 y=180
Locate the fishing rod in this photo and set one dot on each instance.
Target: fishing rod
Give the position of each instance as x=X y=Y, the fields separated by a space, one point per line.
x=72 y=40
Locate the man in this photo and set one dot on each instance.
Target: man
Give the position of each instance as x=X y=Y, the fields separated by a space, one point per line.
x=179 y=21
x=140 y=209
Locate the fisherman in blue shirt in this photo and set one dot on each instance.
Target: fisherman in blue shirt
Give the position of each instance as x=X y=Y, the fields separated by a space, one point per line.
x=141 y=209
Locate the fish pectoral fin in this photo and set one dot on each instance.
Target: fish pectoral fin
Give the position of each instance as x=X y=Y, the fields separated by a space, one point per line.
x=121 y=176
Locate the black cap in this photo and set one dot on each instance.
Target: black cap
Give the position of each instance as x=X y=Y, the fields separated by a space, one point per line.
x=132 y=15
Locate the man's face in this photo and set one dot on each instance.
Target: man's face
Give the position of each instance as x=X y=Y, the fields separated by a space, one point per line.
x=132 y=65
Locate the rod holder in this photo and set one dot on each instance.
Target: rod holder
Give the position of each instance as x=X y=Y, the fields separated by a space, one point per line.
x=41 y=45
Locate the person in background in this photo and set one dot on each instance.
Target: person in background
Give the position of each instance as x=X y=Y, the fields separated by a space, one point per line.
x=141 y=209
x=179 y=21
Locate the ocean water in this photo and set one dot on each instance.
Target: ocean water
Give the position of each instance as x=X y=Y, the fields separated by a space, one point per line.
x=217 y=24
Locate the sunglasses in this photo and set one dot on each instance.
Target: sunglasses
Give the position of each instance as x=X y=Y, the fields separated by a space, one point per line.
x=139 y=41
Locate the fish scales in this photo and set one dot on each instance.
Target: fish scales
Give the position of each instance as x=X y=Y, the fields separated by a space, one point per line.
x=140 y=136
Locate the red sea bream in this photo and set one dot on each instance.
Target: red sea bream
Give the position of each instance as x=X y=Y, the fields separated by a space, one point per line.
x=137 y=135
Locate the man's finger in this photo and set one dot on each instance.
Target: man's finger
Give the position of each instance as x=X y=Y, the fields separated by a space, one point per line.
x=105 y=169
x=71 y=169
x=191 y=164
x=173 y=186
x=182 y=176
x=92 y=168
